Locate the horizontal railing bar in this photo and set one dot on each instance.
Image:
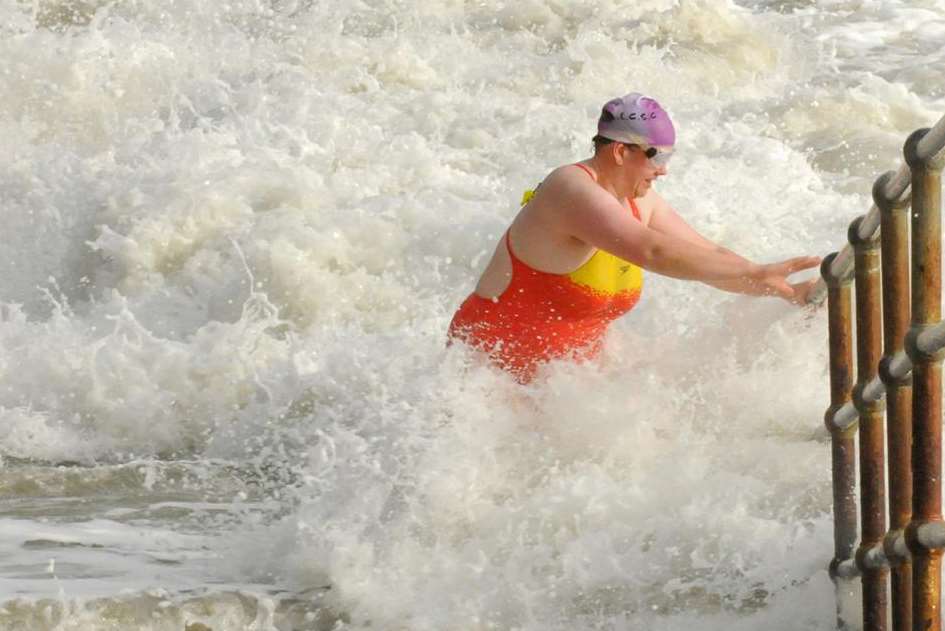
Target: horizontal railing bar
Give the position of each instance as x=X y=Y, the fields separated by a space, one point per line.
x=901 y=366
x=867 y=228
x=895 y=189
x=842 y=264
x=933 y=142
x=930 y=341
x=931 y=535
x=844 y=259
x=875 y=557
x=847 y=569
x=900 y=549
x=847 y=416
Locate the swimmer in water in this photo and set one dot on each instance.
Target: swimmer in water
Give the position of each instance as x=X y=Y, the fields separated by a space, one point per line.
x=572 y=260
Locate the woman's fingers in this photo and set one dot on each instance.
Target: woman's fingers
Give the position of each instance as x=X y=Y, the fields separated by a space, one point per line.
x=776 y=285
x=802 y=291
x=797 y=264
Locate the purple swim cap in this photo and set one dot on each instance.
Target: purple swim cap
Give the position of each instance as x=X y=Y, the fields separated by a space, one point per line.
x=636 y=119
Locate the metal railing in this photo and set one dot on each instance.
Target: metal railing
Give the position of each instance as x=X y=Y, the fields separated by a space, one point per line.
x=899 y=372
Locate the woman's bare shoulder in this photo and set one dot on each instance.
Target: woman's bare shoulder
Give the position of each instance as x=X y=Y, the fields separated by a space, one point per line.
x=569 y=173
x=566 y=185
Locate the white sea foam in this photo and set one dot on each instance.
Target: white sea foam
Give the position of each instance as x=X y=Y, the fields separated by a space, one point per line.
x=235 y=235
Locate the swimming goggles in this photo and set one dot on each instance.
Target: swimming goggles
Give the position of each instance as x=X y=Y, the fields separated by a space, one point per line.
x=658 y=158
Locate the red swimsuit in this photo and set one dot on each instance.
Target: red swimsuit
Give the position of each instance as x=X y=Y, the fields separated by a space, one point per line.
x=542 y=316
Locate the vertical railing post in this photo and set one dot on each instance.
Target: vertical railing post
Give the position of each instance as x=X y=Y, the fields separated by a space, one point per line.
x=926 y=380
x=843 y=448
x=894 y=235
x=872 y=437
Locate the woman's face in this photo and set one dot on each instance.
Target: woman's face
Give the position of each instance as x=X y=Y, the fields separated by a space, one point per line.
x=643 y=169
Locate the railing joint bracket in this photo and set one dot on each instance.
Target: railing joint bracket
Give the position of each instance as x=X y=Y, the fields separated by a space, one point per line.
x=914 y=347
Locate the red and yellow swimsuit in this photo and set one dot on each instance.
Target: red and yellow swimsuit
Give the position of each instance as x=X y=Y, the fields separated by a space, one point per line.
x=542 y=316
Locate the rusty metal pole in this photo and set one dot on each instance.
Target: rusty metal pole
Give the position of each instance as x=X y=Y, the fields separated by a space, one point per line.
x=843 y=447
x=872 y=437
x=927 y=381
x=894 y=235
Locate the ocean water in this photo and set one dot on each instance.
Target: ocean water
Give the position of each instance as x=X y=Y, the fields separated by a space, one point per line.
x=233 y=237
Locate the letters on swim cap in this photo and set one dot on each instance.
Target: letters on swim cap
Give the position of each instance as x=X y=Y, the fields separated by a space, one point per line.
x=636 y=119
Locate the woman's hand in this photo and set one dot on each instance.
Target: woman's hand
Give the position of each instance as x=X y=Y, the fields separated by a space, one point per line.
x=771 y=279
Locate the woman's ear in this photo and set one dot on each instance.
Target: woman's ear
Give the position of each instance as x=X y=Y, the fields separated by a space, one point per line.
x=617 y=154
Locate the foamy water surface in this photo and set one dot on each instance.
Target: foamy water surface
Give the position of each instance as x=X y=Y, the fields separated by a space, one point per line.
x=234 y=235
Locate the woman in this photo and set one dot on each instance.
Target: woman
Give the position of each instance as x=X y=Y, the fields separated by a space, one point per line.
x=572 y=260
